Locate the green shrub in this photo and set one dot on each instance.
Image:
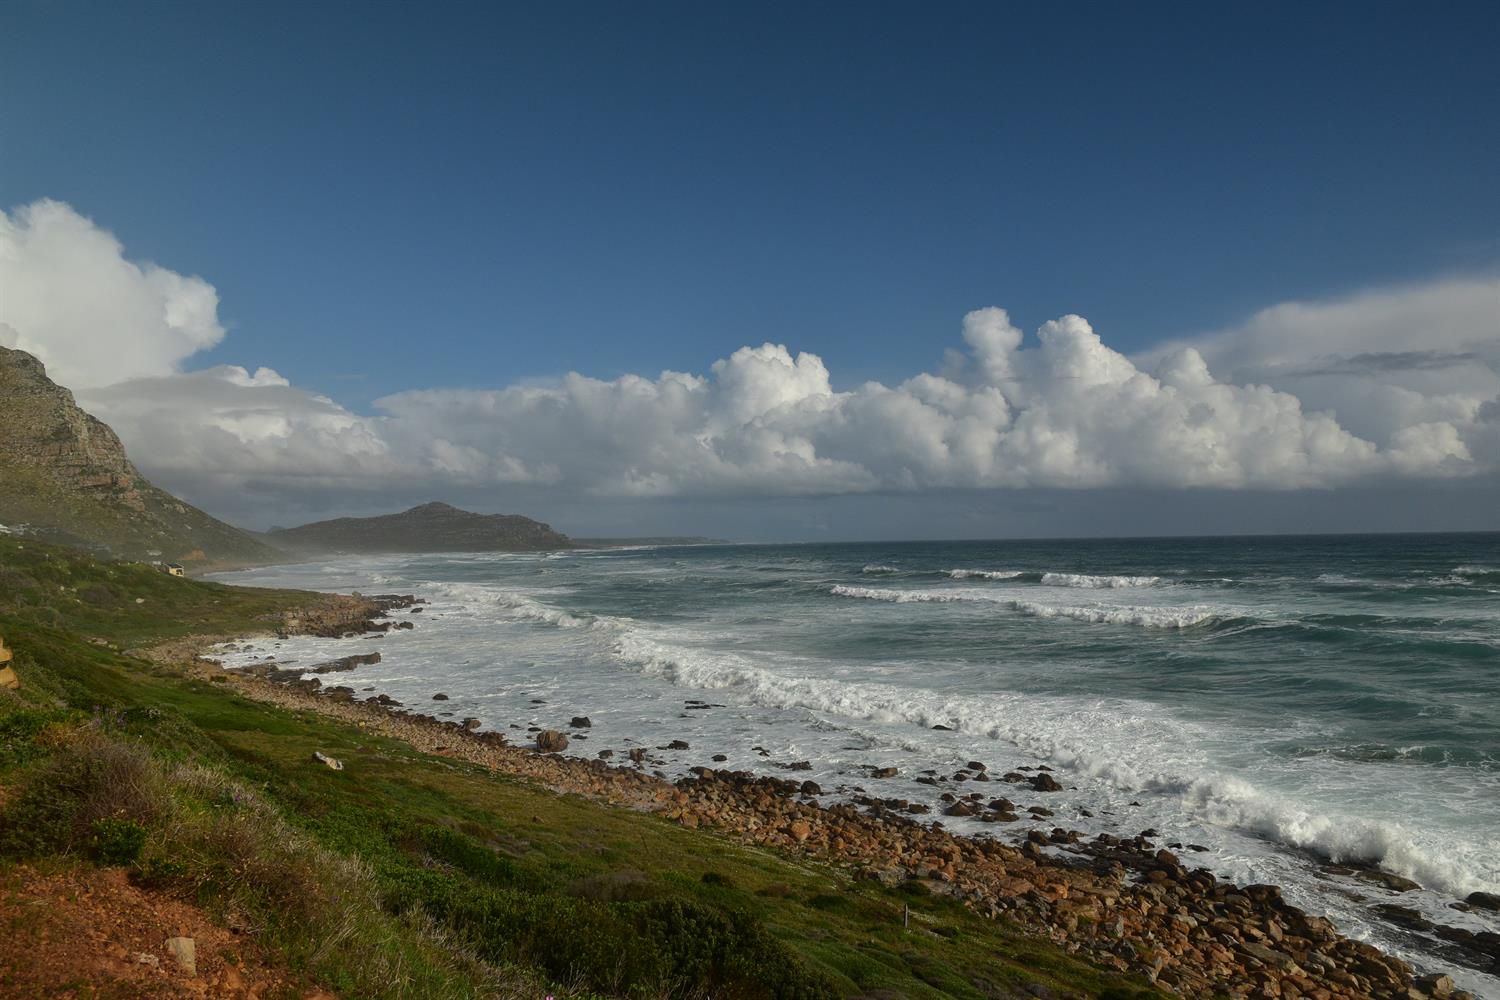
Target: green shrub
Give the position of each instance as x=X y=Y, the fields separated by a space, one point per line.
x=62 y=798
x=101 y=595
x=22 y=733
x=156 y=872
x=631 y=948
x=117 y=841
x=469 y=856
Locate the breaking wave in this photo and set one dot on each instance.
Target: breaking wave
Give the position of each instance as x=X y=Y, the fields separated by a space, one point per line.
x=911 y=596
x=1097 y=582
x=1119 y=756
x=878 y=569
x=514 y=605
x=1104 y=614
x=985 y=574
x=1150 y=617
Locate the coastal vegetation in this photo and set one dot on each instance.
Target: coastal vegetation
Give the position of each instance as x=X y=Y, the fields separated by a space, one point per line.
x=403 y=873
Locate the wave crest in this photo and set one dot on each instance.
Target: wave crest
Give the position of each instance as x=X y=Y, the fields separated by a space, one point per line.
x=1052 y=731
x=1125 y=614
x=1182 y=616
x=1091 y=582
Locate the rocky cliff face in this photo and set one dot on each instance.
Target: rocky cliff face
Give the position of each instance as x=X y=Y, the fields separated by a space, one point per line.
x=65 y=475
x=43 y=429
x=431 y=527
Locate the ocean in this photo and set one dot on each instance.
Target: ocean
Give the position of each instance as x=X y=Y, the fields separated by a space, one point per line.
x=1278 y=706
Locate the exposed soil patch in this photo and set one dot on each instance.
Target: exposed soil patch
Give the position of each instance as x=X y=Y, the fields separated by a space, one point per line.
x=90 y=932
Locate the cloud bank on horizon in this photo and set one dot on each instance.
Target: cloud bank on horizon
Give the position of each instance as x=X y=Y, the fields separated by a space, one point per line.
x=1390 y=385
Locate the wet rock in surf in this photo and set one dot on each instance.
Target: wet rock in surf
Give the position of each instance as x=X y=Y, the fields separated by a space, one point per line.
x=1395 y=883
x=581 y=722
x=1045 y=783
x=344 y=663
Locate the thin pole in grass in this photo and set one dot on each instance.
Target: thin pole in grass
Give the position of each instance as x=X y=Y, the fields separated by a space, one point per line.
x=905 y=915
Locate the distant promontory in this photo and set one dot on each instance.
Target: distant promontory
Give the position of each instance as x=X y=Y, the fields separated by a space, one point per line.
x=430 y=527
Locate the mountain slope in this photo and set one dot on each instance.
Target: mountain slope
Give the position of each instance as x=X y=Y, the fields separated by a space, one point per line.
x=431 y=527
x=65 y=475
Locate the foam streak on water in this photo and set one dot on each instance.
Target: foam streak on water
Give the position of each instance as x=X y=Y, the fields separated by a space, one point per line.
x=1282 y=702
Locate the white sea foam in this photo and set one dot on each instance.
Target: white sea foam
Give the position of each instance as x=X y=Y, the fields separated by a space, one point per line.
x=1126 y=614
x=524 y=607
x=1476 y=571
x=1127 y=746
x=515 y=605
x=1090 y=582
x=908 y=596
x=984 y=574
x=1163 y=616
x=877 y=569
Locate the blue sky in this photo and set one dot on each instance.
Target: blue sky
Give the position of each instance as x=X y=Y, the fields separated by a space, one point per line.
x=520 y=191
x=472 y=196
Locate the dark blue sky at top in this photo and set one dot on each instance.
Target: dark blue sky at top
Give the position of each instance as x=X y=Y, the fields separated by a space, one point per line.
x=470 y=194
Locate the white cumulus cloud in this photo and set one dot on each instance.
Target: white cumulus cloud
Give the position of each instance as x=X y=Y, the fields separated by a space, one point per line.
x=69 y=296
x=1397 y=385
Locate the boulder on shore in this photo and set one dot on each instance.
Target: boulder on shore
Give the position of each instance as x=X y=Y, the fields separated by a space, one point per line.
x=551 y=741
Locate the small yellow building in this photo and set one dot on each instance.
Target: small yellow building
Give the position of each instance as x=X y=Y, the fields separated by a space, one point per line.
x=175 y=569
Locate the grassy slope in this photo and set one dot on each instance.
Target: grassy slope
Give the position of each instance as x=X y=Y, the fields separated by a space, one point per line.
x=480 y=884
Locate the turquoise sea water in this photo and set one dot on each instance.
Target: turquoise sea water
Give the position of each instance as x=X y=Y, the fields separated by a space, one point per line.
x=1283 y=702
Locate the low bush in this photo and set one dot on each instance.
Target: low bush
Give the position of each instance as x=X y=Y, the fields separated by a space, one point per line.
x=647 y=948
x=117 y=841
x=61 y=799
x=28 y=734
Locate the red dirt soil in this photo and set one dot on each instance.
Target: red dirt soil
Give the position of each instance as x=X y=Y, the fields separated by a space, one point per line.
x=90 y=933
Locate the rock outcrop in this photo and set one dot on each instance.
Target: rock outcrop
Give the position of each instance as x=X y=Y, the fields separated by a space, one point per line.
x=431 y=527
x=8 y=679
x=64 y=476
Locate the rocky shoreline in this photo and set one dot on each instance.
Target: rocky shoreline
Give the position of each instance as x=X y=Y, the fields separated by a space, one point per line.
x=1127 y=904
